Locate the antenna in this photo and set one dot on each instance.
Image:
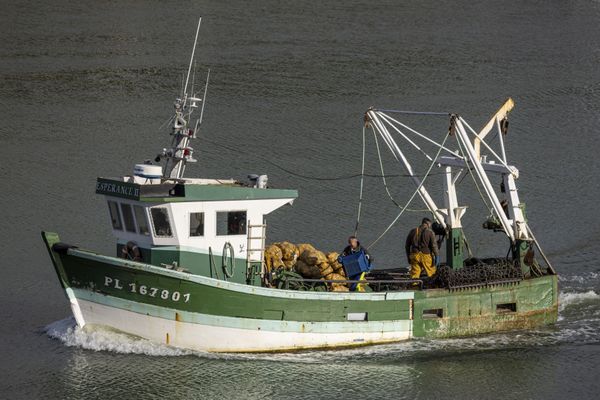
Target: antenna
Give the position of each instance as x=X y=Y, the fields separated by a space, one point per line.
x=204 y=97
x=199 y=120
x=181 y=95
x=192 y=57
x=180 y=152
x=194 y=79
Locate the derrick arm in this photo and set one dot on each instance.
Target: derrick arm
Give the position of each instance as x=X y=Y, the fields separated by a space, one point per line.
x=502 y=113
x=483 y=178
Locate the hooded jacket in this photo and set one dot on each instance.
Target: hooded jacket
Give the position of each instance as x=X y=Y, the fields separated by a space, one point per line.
x=349 y=250
x=421 y=240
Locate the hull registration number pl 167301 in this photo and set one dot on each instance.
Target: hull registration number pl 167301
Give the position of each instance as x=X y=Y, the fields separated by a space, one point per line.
x=146 y=290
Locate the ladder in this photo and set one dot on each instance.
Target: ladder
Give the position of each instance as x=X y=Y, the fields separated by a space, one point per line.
x=255 y=249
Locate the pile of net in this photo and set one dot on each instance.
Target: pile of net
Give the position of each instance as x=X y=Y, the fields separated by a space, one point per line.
x=308 y=262
x=479 y=272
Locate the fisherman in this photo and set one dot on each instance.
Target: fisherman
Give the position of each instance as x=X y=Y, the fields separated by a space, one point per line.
x=420 y=246
x=355 y=247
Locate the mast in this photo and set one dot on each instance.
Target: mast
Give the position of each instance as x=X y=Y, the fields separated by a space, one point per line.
x=180 y=152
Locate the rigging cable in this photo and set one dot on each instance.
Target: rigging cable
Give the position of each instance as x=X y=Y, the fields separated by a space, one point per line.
x=473 y=177
x=383 y=175
x=382 y=172
x=309 y=177
x=442 y=114
x=405 y=137
x=362 y=181
x=466 y=242
x=385 y=181
x=413 y=195
x=168 y=121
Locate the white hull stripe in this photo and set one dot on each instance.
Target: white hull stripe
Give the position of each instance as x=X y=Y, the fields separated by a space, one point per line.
x=216 y=338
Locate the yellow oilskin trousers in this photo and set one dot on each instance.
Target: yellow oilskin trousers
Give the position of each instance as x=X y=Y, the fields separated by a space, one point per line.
x=421 y=261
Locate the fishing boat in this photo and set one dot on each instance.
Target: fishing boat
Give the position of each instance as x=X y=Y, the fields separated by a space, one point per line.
x=190 y=268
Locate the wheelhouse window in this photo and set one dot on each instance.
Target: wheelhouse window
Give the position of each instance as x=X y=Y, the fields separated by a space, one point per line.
x=231 y=223
x=160 y=222
x=128 y=217
x=140 y=218
x=115 y=217
x=197 y=224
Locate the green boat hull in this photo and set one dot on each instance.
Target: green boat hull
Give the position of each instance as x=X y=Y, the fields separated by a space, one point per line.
x=208 y=314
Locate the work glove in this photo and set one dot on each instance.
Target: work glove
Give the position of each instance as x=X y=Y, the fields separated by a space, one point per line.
x=436 y=261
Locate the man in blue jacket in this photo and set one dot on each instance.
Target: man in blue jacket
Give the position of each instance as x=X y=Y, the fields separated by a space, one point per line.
x=355 y=247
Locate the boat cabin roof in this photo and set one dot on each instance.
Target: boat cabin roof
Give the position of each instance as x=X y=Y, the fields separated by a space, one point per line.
x=183 y=190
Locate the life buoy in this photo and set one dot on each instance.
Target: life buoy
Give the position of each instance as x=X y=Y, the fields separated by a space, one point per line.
x=131 y=252
x=228 y=260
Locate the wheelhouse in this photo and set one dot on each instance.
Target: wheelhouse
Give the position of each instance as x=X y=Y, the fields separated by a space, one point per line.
x=191 y=215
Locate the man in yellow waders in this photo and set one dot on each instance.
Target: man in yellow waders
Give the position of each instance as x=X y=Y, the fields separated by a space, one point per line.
x=422 y=250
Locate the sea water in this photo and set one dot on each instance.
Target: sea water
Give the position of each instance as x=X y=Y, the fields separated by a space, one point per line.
x=85 y=87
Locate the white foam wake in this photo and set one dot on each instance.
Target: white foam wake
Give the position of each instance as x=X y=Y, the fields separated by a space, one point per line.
x=567 y=299
x=102 y=339
x=586 y=277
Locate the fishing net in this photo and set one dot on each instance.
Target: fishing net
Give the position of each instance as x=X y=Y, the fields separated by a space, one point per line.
x=340 y=289
x=479 y=272
x=302 y=247
x=289 y=251
x=327 y=270
x=307 y=262
x=332 y=257
x=307 y=271
x=273 y=258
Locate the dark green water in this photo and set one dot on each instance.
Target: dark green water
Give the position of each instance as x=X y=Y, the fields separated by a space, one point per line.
x=85 y=85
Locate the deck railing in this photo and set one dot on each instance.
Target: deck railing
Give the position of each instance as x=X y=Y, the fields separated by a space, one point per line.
x=411 y=284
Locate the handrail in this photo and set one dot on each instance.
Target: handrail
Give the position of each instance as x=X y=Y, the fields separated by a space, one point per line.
x=378 y=282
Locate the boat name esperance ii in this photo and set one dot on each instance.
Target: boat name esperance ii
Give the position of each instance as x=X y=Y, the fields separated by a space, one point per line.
x=192 y=267
x=120 y=189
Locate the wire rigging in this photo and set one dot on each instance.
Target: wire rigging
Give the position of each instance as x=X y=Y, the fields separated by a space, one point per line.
x=383 y=177
x=422 y=136
x=308 y=177
x=382 y=172
x=362 y=181
x=460 y=148
x=411 y=197
x=384 y=118
x=441 y=114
